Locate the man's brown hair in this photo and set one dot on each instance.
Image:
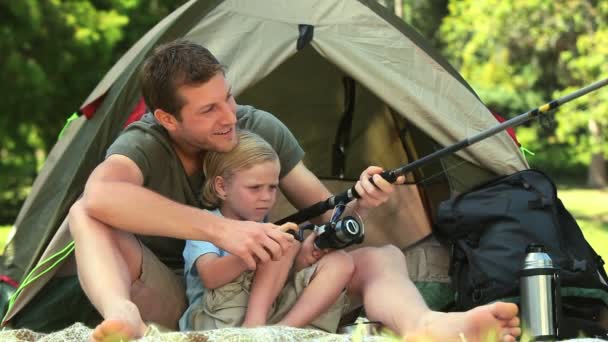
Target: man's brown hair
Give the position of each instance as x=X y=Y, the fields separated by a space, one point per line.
x=171 y=66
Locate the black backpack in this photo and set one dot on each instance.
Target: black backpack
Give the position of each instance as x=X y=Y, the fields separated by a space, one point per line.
x=488 y=230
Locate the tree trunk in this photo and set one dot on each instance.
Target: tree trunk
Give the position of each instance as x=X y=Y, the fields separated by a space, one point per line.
x=596 y=176
x=399 y=8
x=395 y=5
x=387 y=3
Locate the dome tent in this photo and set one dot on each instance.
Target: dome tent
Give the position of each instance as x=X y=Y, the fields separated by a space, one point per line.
x=355 y=85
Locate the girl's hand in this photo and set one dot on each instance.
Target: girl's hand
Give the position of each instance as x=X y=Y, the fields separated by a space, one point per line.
x=308 y=254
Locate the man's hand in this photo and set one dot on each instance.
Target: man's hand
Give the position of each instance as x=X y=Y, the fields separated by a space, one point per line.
x=308 y=254
x=373 y=195
x=290 y=228
x=254 y=242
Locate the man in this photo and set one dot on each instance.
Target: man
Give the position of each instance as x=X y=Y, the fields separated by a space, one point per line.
x=144 y=196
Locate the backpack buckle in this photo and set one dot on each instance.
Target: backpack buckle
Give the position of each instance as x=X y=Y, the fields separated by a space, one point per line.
x=579 y=265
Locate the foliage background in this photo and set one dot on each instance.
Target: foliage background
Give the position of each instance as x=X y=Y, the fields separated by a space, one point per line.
x=54 y=53
x=515 y=54
x=519 y=54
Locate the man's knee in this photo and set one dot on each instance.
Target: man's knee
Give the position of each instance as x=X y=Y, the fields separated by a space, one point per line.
x=374 y=265
x=391 y=252
x=378 y=256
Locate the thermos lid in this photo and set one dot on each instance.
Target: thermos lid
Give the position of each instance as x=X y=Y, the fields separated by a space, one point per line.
x=536 y=257
x=535 y=248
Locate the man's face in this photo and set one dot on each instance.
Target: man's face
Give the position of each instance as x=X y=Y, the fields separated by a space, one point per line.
x=208 y=116
x=251 y=193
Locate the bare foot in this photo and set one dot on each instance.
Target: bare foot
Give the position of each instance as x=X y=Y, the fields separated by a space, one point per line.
x=488 y=323
x=112 y=330
x=122 y=325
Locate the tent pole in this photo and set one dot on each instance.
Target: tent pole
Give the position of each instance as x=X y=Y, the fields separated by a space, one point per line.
x=392 y=175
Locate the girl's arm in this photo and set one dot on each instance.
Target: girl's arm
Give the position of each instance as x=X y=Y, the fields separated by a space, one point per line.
x=217 y=271
x=268 y=282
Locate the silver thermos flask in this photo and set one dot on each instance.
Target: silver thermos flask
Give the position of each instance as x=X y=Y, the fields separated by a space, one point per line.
x=540 y=303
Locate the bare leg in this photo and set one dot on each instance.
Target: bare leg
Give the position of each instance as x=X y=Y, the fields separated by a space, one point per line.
x=333 y=273
x=389 y=296
x=108 y=262
x=382 y=281
x=267 y=284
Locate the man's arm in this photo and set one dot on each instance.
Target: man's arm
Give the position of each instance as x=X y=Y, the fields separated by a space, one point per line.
x=303 y=189
x=115 y=196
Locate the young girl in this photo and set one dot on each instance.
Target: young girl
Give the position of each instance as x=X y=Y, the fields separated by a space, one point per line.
x=242 y=184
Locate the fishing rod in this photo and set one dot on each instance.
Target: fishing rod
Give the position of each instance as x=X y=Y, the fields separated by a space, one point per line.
x=392 y=175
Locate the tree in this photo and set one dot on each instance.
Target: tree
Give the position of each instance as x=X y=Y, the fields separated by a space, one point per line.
x=587 y=64
x=424 y=15
x=518 y=54
x=54 y=52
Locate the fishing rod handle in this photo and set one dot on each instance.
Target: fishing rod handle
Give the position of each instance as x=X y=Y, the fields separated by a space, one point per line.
x=389 y=176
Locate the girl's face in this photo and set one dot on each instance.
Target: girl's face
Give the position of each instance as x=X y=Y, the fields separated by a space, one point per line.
x=250 y=193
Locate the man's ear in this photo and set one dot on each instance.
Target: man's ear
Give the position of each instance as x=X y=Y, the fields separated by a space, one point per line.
x=220 y=187
x=168 y=120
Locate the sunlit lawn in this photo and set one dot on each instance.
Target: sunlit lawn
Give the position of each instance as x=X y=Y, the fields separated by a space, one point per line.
x=4 y=230
x=589 y=207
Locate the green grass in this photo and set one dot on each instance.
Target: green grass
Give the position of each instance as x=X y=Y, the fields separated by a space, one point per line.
x=590 y=209
x=4 y=230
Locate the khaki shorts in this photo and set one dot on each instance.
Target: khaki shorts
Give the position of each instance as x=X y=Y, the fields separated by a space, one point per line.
x=226 y=306
x=159 y=293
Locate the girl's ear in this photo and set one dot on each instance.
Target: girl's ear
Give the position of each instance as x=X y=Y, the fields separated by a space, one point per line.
x=220 y=187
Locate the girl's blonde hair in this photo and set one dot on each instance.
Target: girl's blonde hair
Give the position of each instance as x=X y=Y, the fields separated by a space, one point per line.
x=250 y=150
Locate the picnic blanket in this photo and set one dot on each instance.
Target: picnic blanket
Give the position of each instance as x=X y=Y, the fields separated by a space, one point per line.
x=79 y=332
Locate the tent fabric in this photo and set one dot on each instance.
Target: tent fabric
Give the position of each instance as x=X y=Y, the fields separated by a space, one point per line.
x=359 y=42
x=408 y=101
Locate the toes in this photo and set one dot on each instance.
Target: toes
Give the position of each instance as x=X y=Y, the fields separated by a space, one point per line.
x=513 y=323
x=111 y=331
x=508 y=338
x=515 y=331
x=510 y=334
x=504 y=311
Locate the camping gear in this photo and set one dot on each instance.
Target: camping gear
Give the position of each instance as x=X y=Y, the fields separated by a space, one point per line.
x=488 y=229
x=539 y=288
x=392 y=175
x=355 y=84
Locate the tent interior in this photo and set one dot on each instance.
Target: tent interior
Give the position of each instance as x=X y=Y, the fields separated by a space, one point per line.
x=344 y=127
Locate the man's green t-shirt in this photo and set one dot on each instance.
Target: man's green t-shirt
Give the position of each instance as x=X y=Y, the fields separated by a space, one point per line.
x=147 y=143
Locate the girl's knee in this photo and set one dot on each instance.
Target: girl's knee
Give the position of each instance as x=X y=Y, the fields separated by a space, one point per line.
x=339 y=261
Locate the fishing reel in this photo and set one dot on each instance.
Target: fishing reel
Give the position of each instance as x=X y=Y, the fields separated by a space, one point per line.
x=339 y=234
x=336 y=234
